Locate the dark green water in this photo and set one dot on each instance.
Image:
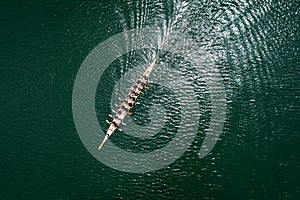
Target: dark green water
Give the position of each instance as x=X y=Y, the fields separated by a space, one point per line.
x=255 y=45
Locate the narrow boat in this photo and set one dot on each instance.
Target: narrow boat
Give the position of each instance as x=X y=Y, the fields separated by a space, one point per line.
x=128 y=103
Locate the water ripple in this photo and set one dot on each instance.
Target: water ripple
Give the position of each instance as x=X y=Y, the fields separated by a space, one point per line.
x=245 y=39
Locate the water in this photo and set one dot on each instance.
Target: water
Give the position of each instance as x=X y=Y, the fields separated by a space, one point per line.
x=253 y=44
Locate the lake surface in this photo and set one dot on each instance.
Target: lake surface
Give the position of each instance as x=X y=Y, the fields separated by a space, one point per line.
x=228 y=65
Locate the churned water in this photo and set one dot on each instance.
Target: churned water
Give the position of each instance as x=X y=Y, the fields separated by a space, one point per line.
x=220 y=120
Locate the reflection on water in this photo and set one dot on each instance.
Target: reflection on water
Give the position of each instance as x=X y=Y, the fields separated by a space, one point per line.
x=253 y=43
x=247 y=41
